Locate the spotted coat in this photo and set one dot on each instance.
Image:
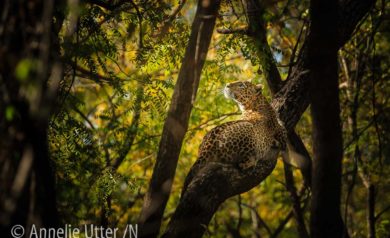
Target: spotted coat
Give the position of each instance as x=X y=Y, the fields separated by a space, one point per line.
x=242 y=143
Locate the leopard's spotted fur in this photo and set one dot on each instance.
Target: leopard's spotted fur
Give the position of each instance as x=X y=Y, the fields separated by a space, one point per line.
x=243 y=143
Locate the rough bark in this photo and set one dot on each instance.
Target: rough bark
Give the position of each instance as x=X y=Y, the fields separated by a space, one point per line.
x=271 y=73
x=176 y=123
x=290 y=102
x=212 y=186
x=325 y=216
x=27 y=42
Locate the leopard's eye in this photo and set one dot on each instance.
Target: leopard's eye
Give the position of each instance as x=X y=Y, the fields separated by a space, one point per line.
x=241 y=85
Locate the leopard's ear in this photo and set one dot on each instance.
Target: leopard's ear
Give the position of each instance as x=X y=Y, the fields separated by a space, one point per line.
x=259 y=88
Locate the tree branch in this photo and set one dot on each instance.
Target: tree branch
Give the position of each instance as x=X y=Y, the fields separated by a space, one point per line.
x=382 y=212
x=243 y=31
x=273 y=79
x=108 y=5
x=297 y=209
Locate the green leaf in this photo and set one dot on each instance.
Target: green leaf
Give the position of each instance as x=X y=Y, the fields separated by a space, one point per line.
x=9 y=113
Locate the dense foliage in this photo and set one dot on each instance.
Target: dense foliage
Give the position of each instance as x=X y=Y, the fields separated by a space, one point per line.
x=122 y=63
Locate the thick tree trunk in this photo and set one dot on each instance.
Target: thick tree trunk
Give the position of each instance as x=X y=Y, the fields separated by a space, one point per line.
x=176 y=123
x=29 y=56
x=210 y=188
x=325 y=112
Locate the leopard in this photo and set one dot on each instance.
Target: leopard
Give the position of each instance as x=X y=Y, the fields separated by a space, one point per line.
x=243 y=143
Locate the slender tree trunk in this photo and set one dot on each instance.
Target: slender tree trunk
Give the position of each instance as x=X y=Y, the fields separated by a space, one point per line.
x=371 y=211
x=176 y=123
x=325 y=111
x=297 y=209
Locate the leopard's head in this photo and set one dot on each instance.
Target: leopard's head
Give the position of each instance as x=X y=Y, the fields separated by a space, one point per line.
x=247 y=95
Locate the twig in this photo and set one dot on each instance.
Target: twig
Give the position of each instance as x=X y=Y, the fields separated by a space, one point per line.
x=297 y=210
x=239 y=202
x=140 y=19
x=259 y=219
x=382 y=212
x=83 y=116
x=132 y=130
x=292 y=59
x=243 y=31
x=282 y=225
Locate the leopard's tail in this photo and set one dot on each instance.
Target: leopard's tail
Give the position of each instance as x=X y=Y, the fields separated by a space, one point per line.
x=297 y=160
